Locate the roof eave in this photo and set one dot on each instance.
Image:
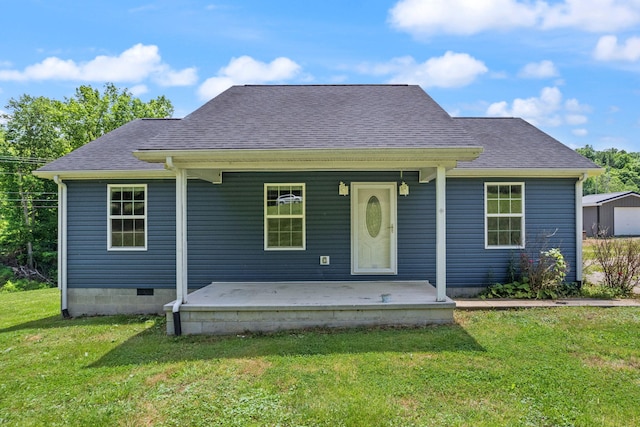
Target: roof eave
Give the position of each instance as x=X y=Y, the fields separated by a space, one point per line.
x=312 y=159
x=523 y=172
x=105 y=174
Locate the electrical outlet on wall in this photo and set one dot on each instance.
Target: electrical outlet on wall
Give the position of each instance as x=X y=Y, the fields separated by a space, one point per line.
x=325 y=260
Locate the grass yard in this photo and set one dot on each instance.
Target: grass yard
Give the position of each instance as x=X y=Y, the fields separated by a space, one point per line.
x=539 y=367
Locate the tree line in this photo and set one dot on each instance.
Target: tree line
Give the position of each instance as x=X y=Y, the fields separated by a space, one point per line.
x=37 y=130
x=622 y=171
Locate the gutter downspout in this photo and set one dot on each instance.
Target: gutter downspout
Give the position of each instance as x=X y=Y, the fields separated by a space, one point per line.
x=62 y=246
x=181 y=250
x=579 y=227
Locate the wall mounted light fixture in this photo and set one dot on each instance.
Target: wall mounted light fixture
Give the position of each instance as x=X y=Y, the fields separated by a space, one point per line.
x=343 y=189
x=403 y=189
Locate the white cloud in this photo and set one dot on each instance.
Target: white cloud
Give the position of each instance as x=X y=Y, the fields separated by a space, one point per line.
x=608 y=49
x=138 y=90
x=450 y=70
x=465 y=17
x=592 y=15
x=546 y=109
x=580 y=132
x=246 y=70
x=539 y=70
x=169 y=77
x=132 y=66
x=575 y=119
x=461 y=16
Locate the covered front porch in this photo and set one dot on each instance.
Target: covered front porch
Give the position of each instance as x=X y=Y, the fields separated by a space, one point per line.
x=237 y=307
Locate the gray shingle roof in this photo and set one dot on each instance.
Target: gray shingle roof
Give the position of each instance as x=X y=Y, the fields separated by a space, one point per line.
x=315 y=116
x=513 y=143
x=113 y=151
x=598 y=199
x=324 y=117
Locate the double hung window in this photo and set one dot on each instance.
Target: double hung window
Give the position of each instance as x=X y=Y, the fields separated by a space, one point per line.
x=504 y=215
x=127 y=217
x=284 y=216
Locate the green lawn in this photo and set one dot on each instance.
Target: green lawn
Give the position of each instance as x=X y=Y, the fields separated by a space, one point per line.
x=539 y=367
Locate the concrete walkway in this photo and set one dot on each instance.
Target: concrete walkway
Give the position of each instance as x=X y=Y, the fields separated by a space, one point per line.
x=504 y=304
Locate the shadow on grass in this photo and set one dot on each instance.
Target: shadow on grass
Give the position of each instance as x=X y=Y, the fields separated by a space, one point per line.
x=153 y=346
x=57 y=321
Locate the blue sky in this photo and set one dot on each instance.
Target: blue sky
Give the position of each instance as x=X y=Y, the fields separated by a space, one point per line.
x=570 y=67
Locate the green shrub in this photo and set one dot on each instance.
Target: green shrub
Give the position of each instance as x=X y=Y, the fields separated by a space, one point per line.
x=541 y=278
x=23 y=285
x=620 y=263
x=10 y=283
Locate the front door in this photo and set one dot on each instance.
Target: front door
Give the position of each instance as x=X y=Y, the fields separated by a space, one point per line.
x=373 y=228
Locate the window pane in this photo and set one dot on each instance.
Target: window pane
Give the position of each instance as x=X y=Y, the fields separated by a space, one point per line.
x=505 y=206
x=116 y=225
x=516 y=206
x=285 y=240
x=127 y=239
x=492 y=238
x=296 y=239
x=516 y=237
x=138 y=208
x=127 y=208
x=492 y=206
x=116 y=239
x=139 y=239
x=492 y=192
x=116 y=208
x=284 y=208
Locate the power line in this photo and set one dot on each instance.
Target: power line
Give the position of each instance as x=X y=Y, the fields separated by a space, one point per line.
x=29 y=160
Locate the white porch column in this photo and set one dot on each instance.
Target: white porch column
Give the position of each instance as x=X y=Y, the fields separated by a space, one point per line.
x=182 y=284
x=579 y=228
x=441 y=234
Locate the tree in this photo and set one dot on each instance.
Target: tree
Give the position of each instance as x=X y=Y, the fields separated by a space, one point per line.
x=622 y=170
x=38 y=130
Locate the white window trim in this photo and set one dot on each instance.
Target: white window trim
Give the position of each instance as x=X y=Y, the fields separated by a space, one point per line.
x=144 y=217
x=303 y=216
x=486 y=217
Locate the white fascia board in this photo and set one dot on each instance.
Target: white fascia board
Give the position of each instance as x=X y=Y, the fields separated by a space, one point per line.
x=523 y=173
x=314 y=159
x=106 y=174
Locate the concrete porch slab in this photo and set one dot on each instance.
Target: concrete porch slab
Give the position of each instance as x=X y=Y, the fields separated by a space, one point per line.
x=236 y=307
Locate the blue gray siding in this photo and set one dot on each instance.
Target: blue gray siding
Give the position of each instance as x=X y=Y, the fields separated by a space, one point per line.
x=225 y=232
x=90 y=265
x=549 y=222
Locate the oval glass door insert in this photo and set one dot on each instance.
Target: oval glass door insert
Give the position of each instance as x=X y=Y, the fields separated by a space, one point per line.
x=374 y=216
